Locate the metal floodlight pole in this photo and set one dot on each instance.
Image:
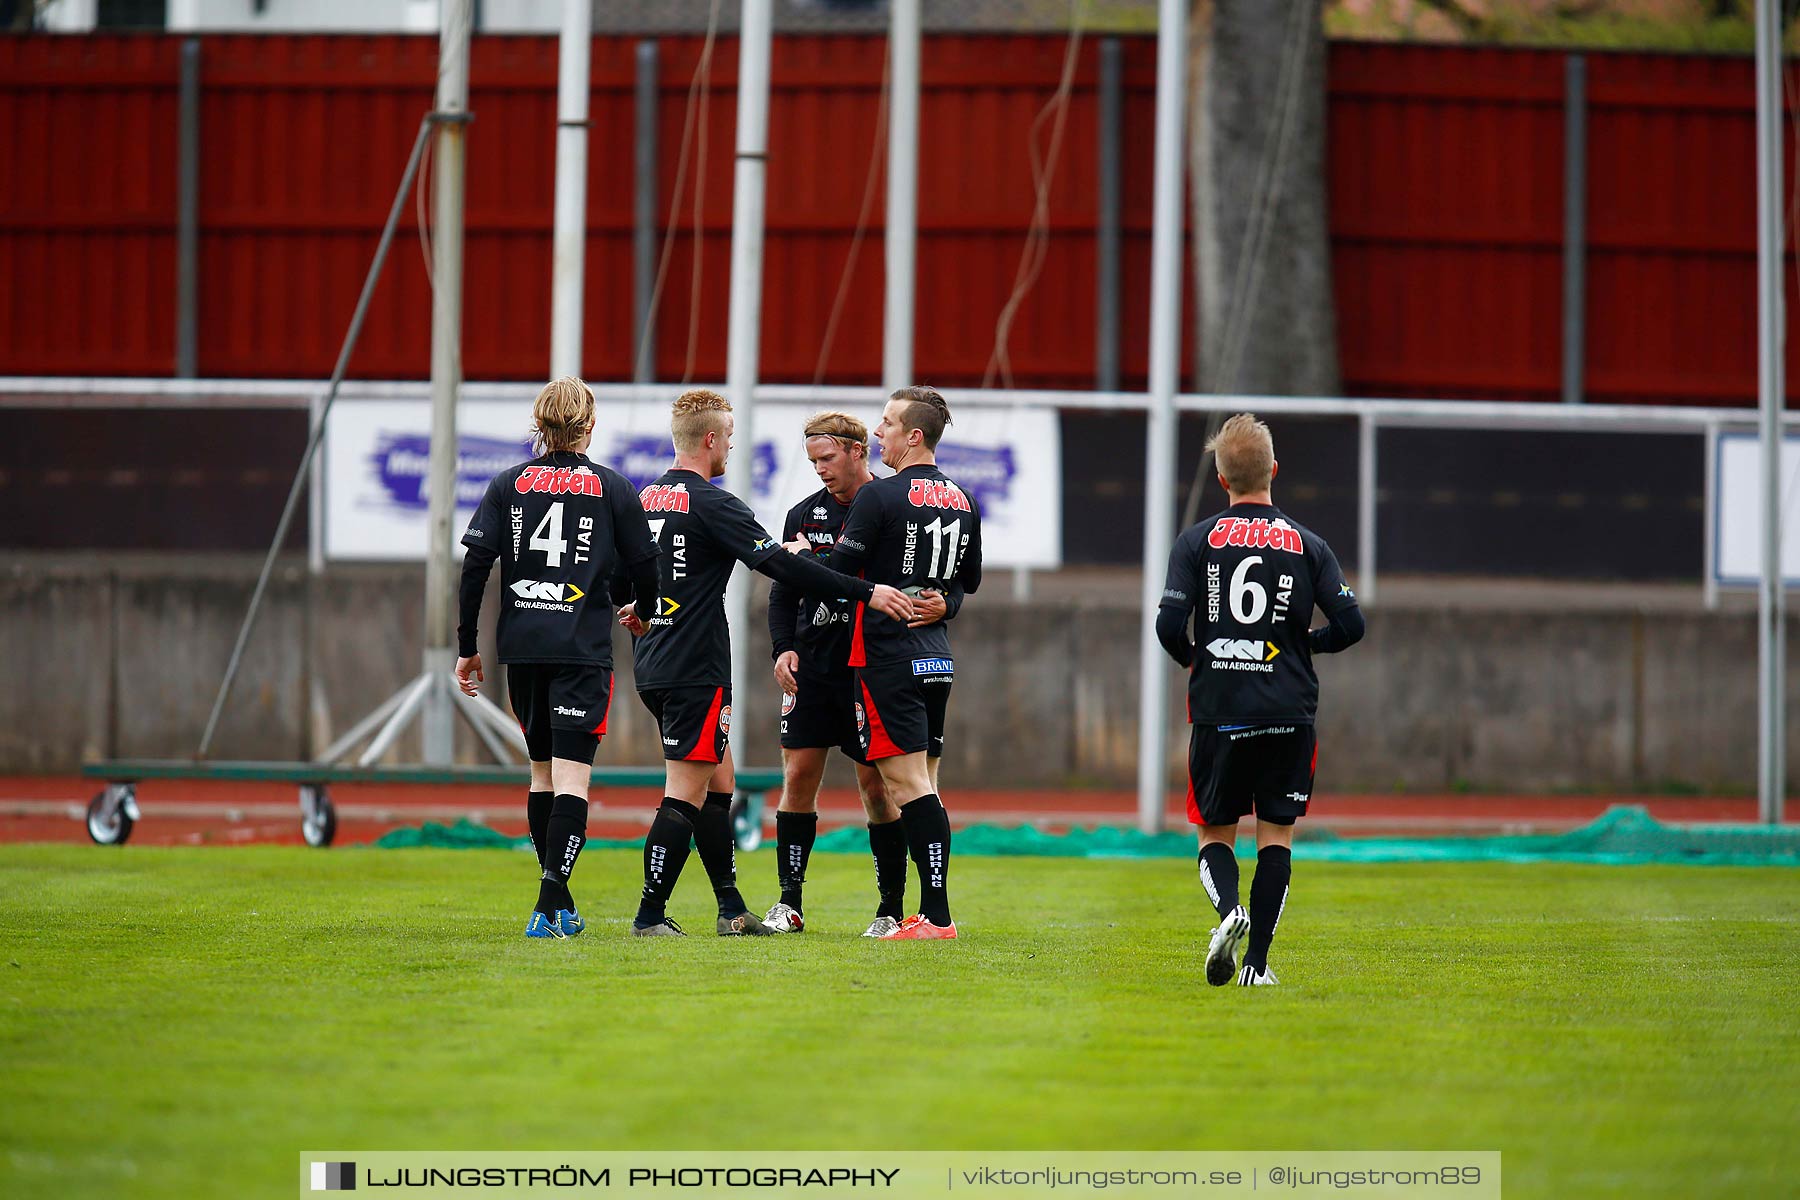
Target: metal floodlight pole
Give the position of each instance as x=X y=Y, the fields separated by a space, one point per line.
x=446 y=374
x=1574 y=258
x=744 y=337
x=570 y=242
x=1162 y=430
x=1771 y=672
x=643 y=236
x=902 y=237
x=187 y=229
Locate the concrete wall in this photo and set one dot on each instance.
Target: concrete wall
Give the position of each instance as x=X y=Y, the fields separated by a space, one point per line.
x=124 y=661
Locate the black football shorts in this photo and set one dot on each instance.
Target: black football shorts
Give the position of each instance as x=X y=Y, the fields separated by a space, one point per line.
x=695 y=721
x=900 y=707
x=1233 y=769
x=821 y=713
x=561 y=707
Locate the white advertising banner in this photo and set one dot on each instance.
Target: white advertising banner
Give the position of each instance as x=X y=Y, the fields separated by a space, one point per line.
x=376 y=451
x=1737 y=510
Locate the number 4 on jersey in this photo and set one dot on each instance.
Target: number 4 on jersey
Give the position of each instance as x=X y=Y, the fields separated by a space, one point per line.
x=548 y=536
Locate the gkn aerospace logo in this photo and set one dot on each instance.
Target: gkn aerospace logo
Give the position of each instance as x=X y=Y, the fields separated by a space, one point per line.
x=1242 y=654
x=546 y=594
x=402 y=461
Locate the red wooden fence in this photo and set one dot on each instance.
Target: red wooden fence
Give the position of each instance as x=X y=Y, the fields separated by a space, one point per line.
x=1445 y=182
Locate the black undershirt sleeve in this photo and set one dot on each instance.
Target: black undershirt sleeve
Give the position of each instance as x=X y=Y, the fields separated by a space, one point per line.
x=953 y=599
x=1179 y=590
x=647 y=585
x=1171 y=631
x=784 y=612
x=1346 y=629
x=812 y=578
x=477 y=562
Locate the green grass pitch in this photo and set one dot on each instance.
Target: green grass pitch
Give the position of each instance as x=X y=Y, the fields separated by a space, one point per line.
x=183 y=1022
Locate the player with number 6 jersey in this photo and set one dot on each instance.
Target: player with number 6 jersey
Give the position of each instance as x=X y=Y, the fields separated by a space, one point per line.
x=1249 y=579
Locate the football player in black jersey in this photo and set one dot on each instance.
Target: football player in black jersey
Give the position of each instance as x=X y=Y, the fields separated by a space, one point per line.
x=561 y=528
x=1252 y=691
x=918 y=531
x=811 y=640
x=683 y=655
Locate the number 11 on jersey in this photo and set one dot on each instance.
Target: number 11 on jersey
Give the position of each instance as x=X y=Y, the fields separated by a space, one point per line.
x=944 y=537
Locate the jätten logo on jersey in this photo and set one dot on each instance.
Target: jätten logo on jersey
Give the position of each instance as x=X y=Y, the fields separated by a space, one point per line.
x=936 y=493
x=1257 y=533
x=559 y=481
x=538 y=589
x=665 y=497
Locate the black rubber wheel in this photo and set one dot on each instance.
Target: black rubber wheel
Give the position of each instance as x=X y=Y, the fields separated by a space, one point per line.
x=319 y=832
x=104 y=832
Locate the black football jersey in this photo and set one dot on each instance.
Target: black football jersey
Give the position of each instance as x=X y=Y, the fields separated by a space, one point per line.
x=911 y=531
x=818 y=628
x=1251 y=577
x=561 y=526
x=702 y=531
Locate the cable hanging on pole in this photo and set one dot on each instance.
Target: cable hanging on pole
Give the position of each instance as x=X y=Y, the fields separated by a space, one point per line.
x=1043 y=174
x=413 y=163
x=862 y=222
x=700 y=79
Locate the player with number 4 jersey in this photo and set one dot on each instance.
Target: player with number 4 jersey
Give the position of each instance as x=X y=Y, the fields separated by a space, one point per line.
x=561 y=527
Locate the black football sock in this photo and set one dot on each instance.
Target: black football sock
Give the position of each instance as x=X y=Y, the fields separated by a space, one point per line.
x=794 y=835
x=928 y=837
x=537 y=815
x=887 y=843
x=1219 y=875
x=564 y=835
x=1268 y=896
x=718 y=852
x=666 y=849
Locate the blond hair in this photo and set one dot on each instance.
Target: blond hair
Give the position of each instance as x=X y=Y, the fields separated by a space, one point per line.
x=696 y=414
x=846 y=429
x=1245 y=454
x=926 y=410
x=562 y=415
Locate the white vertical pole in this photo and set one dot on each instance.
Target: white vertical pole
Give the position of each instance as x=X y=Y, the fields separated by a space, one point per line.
x=1365 y=508
x=1771 y=673
x=446 y=371
x=1709 y=585
x=1160 y=438
x=903 y=196
x=744 y=337
x=568 y=251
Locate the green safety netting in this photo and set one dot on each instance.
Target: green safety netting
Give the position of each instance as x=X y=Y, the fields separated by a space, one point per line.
x=1619 y=835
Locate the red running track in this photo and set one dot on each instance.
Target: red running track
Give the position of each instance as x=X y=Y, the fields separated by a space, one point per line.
x=48 y=808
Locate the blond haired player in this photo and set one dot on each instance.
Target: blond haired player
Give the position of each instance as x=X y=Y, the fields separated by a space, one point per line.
x=1249 y=578
x=561 y=526
x=683 y=655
